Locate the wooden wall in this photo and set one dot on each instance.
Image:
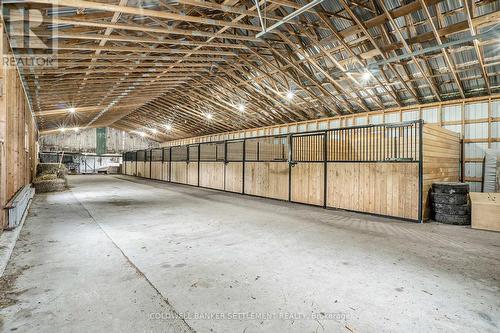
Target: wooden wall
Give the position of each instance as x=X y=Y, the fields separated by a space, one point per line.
x=234 y=177
x=156 y=170
x=178 y=174
x=18 y=134
x=379 y=188
x=308 y=183
x=212 y=175
x=441 y=159
x=166 y=174
x=147 y=169
x=192 y=173
x=140 y=169
x=267 y=179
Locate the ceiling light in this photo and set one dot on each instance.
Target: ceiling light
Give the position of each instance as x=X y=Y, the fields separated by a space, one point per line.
x=142 y=134
x=168 y=127
x=153 y=130
x=76 y=129
x=62 y=129
x=366 y=76
x=241 y=107
x=208 y=115
x=72 y=110
x=289 y=95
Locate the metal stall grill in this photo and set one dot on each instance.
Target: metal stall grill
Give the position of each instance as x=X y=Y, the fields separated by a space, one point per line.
x=360 y=168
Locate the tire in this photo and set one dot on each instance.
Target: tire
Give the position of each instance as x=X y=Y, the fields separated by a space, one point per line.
x=450 y=188
x=452 y=219
x=451 y=209
x=450 y=199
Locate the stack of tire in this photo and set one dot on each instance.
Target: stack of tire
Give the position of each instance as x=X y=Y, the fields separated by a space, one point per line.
x=450 y=203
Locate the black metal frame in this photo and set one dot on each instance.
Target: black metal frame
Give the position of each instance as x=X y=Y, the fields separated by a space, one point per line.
x=400 y=131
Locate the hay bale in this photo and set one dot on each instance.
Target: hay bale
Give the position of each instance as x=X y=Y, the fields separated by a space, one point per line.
x=49 y=183
x=52 y=168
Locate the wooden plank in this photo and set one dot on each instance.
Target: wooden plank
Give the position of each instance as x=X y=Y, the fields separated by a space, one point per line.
x=308 y=183
x=441 y=159
x=156 y=170
x=192 y=173
x=234 y=177
x=179 y=172
x=212 y=175
x=378 y=188
x=267 y=179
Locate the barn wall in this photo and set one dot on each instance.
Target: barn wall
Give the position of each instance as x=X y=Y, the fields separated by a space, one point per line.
x=18 y=134
x=477 y=120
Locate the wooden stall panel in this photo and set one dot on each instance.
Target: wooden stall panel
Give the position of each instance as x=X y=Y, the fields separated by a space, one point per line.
x=212 y=175
x=126 y=168
x=379 y=188
x=179 y=172
x=156 y=170
x=140 y=169
x=147 y=169
x=267 y=179
x=192 y=173
x=234 y=177
x=133 y=168
x=441 y=153
x=308 y=183
x=165 y=174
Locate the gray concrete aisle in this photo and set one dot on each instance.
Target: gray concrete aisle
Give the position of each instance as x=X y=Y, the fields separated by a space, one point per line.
x=107 y=255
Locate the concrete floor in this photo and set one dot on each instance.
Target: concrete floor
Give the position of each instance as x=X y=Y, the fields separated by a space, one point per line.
x=128 y=255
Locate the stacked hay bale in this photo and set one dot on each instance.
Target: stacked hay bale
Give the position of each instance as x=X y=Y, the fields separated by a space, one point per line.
x=51 y=177
x=450 y=203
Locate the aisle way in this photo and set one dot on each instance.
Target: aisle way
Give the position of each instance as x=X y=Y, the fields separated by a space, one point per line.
x=121 y=254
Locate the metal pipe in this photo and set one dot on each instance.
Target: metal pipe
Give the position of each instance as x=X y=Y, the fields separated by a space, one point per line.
x=289 y=17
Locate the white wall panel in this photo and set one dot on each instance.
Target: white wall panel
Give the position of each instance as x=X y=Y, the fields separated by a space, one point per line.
x=430 y=115
x=475 y=150
x=473 y=170
x=392 y=117
x=454 y=128
x=495 y=129
x=410 y=115
x=452 y=113
x=476 y=131
x=376 y=119
x=334 y=123
x=476 y=111
x=361 y=121
x=495 y=109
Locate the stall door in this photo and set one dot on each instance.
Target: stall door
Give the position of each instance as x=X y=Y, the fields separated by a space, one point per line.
x=308 y=169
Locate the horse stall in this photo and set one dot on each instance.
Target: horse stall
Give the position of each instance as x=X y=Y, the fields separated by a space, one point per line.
x=192 y=166
x=140 y=164
x=165 y=176
x=233 y=171
x=266 y=167
x=147 y=164
x=157 y=164
x=212 y=157
x=178 y=164
x=383 y=169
